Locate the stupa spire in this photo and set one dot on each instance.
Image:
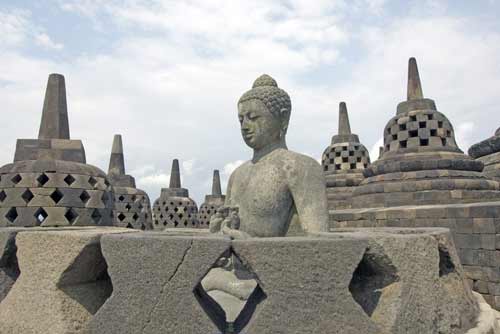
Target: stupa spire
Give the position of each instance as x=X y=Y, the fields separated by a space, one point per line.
x=216 y=188
x=414 y=84
x=54 y=124
x=175 y=175
x=116 y=161
x=344 y=126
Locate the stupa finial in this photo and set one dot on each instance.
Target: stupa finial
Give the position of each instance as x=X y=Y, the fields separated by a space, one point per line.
x=216 y=188
x=116 y=161
x=344 y=126
x=54 y=124
x=175 y=175
x=414 y=84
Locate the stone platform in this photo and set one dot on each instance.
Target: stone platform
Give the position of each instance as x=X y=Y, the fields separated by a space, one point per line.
x=112 y=280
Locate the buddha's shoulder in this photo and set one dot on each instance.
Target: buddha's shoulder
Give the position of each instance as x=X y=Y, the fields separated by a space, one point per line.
x=295 y=160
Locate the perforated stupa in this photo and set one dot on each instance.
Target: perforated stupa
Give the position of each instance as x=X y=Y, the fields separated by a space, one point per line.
x=132 y=206
x=49 y=183
x=343 y=163
x=212 y=202
x=488 y=152
x=174 y=208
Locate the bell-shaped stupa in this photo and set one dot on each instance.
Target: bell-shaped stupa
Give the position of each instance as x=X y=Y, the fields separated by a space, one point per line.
x=212 y=202
x=343 y=163
x=132 y=206
x=49 y=183
x=421 y=162
x=488 y=152
x=174 y=208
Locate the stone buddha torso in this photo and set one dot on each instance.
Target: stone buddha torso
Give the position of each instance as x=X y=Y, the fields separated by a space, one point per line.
x=266 y=192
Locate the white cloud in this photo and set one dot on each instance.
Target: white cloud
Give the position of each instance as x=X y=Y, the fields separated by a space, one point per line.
x=159 y=180
x=45 y=41
x=375 y=150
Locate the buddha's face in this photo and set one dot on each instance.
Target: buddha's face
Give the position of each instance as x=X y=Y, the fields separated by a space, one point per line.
x=259 y=127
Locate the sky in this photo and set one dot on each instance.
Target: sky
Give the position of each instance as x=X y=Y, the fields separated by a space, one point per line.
x=167 y=75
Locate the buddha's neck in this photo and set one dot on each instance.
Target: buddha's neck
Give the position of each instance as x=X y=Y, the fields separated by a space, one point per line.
x=260 y=153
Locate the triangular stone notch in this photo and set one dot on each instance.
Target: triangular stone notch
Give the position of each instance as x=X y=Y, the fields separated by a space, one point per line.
x=376 y=288
x=86 y=280
x=9 y=267
x=229 y=293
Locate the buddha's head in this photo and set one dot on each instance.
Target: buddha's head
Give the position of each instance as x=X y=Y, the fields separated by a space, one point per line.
x=264 y=113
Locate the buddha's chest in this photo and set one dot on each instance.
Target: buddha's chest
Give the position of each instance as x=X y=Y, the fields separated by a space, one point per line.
x=261 y=189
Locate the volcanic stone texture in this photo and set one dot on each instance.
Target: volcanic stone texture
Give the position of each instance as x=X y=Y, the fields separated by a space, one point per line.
x=368 y=281
x=343 y=163
x=475 y=228
x=488 y=152
x=63 y=280
x=174 y=208
x=54 y=193
x=212 y=202
x=132 y=208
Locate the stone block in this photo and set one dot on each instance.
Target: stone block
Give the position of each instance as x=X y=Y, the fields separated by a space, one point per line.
x=63 y=283
x=488 y=241
x=483 y=225
x=156 y=296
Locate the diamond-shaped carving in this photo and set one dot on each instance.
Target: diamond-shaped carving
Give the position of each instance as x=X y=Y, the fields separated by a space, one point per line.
x=27 y=196
x=71 y=215
x=56 y=196
x=11 y=215
x=16 y=179
x=229 y=293
x=3 y=196
x=42 y=179
x=69 y=179
x=96 y=216
x=92 y=181
x=40 y=216
x=85 y=197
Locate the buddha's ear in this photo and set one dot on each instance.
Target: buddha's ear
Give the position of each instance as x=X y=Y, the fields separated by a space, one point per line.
x=285 y=118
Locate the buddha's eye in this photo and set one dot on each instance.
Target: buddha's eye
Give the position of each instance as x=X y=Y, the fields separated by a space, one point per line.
x=253 y=117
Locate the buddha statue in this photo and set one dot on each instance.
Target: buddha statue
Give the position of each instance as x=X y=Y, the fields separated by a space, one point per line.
x=276 y=186
x=276 y=191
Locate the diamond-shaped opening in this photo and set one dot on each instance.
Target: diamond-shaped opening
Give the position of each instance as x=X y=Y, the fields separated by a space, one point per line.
x=16 y=179
x=96 y=216
x=85 y=197
x=86 y=280
x=135 y=216
x=128 y=207
x=27 y=196
x=42 y=179
x=92 y=181
x=56 y=196
x=121 y=217
x=376 y=288
x=129 y=226
x=40 y=216
x=11 y=215
x=3 y=196
x=121 y=198
x=9 y=267
x=230 y=309
x=71 y=215
x=69 y=179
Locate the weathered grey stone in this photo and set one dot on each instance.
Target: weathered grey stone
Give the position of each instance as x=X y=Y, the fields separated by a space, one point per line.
x=49 y=183
x=289 y=185
x=174 y=208
x=132 y=208
x=212 y=202
x=343 y=163
x=155 y=294
x=63 y=281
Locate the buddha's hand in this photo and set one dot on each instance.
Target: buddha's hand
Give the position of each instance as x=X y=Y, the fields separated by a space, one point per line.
x=217 y=219
x=231 y=225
